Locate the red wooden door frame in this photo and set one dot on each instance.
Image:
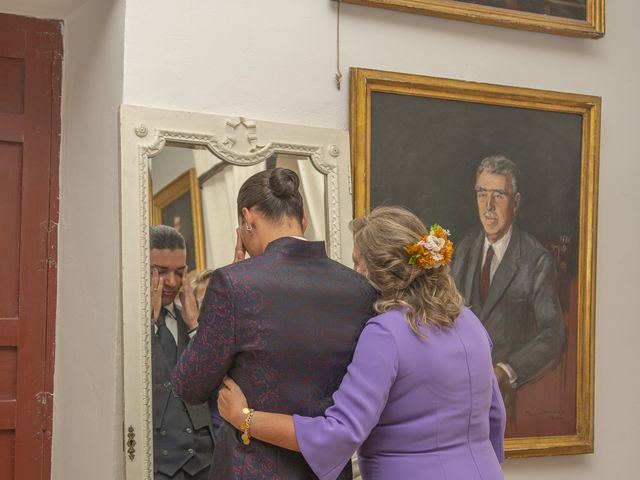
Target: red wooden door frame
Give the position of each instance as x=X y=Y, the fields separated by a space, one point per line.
x=39 y=44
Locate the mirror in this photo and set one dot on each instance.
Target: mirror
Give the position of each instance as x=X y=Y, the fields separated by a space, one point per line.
x=184 y=169
x=195 y=192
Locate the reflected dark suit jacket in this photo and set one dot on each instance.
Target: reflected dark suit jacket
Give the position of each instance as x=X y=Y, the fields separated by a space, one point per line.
x=182 y=433
x=284 y=326
x=522 y=312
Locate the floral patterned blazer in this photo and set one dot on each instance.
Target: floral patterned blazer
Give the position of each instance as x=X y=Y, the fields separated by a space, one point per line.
x=283 y=325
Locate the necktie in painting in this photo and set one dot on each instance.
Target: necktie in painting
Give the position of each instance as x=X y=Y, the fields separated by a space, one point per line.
x=485 y=275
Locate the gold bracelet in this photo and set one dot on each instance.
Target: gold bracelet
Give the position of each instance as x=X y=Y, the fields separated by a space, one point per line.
x=246 y=425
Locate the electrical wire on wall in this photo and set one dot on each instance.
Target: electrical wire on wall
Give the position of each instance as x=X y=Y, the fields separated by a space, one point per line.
x=338 y=76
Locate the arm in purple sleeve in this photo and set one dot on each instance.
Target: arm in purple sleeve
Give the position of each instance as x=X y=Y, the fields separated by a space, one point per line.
x=205 y=361
x=328 y=442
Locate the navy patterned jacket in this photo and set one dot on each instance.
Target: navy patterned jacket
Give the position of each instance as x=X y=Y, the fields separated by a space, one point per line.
x=283 y=325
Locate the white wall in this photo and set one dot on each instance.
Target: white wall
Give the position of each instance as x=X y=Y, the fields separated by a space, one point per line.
x=87 y=416
x=275 y=60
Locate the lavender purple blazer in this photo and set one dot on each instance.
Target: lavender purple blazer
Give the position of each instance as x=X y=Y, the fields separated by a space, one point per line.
x=284 y=326
x=418 y=409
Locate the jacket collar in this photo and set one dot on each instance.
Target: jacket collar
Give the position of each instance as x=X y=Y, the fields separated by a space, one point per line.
x=297 y=247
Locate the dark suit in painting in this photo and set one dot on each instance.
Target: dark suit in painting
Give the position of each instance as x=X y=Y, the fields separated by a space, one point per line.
x=283 y=325
x=182 y=440
x=522 y=311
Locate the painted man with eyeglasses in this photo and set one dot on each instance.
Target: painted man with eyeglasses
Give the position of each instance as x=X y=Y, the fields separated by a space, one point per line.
x=509 y=281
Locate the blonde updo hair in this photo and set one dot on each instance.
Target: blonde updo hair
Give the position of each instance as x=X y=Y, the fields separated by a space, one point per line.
x=429 y=296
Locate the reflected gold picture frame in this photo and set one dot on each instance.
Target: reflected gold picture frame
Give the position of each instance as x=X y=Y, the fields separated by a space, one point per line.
x=185 y=183
x=414 y=154
x=593 y=26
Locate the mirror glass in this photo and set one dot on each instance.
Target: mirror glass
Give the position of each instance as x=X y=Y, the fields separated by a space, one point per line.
x=195 y=192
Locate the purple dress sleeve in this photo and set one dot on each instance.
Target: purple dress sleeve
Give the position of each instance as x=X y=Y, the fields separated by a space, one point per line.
x=497 y=421
x=205 y=361
x=328 y=442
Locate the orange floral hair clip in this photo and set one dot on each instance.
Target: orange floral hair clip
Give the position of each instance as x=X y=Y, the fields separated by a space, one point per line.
x=432 y=250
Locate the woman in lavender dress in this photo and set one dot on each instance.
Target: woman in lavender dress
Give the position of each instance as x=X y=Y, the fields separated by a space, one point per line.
x=420 y=399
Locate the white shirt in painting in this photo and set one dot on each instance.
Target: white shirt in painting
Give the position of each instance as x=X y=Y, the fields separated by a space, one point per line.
x=499 y=249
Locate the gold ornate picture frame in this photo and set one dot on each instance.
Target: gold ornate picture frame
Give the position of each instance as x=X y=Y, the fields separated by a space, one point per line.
x=178 y=205
x=581 y=18
x=417 y=141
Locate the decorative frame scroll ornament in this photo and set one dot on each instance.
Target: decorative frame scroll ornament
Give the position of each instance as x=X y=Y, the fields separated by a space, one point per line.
x=144 y=133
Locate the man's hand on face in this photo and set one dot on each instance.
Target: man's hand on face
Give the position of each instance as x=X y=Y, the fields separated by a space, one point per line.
x=189 y=304
x=157 y=284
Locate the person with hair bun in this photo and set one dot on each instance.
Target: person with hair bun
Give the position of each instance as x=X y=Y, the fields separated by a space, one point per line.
x=282 y=323
x=420 y=398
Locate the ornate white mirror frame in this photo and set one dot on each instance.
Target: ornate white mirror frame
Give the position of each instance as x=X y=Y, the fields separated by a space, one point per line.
x=144 y=132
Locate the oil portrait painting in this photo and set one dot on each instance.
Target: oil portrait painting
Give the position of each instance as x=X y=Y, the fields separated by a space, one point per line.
x=512 y=173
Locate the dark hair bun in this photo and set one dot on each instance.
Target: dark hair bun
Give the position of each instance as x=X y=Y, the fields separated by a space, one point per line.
x=283 y=183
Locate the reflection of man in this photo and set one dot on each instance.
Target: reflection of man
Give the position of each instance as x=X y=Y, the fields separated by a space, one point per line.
x=182 y=442
x=509 y=280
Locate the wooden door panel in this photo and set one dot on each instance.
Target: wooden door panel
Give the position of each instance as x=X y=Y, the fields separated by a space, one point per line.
x=8 y=384
x=12 y=37
x=11 y=128
x=9 y=332
x=33 y=259
x=30 y=51
x=10 y=192
x=11 y=85
x=12 y=131
x=7 y=455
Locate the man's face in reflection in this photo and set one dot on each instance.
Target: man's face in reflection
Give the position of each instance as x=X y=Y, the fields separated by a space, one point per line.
x=170 y=265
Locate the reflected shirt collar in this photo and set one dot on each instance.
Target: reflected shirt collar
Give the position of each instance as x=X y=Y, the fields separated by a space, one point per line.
x=171 y=309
